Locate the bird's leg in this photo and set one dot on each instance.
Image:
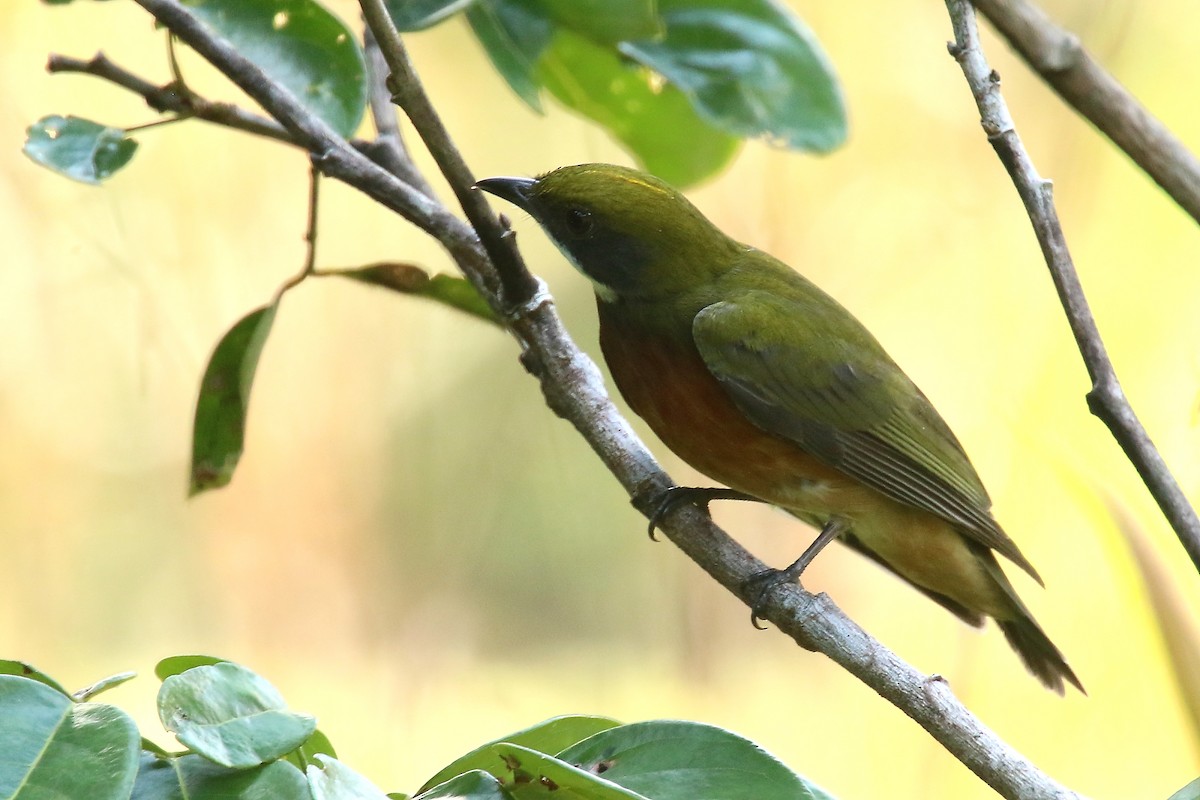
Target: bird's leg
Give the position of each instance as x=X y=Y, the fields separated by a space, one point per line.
x=699 y=496
x=768 y=579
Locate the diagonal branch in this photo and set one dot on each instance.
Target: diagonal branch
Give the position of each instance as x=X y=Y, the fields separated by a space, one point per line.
x=575 y=390
x=1057 y=55
x=1106 y=399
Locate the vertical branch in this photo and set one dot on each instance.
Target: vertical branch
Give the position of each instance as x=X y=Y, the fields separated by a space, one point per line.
x=389 y=144
x=1106 y=399
x=519 y=286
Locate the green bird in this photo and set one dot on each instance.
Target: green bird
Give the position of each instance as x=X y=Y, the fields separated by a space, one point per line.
x=763 y=382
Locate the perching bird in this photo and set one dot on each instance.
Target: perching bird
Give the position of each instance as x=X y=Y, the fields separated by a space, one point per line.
x=760 y=380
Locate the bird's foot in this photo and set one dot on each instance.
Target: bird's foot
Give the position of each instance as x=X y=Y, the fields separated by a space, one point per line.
x=769 y=579
x=699 y=496
x=760 y=585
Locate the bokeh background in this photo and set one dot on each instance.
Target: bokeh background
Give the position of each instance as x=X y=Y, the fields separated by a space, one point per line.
x=418 y=552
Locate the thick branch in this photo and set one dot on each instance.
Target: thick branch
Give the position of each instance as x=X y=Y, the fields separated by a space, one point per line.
x=1057 y=55
x=575 y=390
x=1106 y=398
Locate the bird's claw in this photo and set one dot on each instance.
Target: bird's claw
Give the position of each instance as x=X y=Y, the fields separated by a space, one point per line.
x=699 y=496
x=766 y=580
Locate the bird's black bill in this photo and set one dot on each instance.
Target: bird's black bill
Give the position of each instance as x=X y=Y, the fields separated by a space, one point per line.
x=515 y=190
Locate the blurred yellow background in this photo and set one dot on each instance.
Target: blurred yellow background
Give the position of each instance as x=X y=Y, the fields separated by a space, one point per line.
x=418 y=552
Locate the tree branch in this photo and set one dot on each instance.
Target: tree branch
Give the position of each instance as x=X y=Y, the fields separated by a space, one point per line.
x=519 y=286
x=575 y=390
x=171 y=98
x=393 y=155
x=1057 y=55
x=1106 y=399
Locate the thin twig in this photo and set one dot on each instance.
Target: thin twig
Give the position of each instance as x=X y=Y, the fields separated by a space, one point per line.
x=310 y=236
x=1106 y=399
x=1057 y=55
x=334 y=155
x=519 y=286
x=170 y=98
x=575 y=389
x=390 y=151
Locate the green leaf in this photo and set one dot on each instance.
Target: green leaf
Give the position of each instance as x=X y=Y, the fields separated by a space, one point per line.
x=1189 y=792
x=80 y=149
x=550 y=737
x=26 y=670
x=301 y=46
x=534 y=774
x=607 y=21
x=473 y=785
x=219 y=430
x=751 y=68
x=192 y=777
x=333 y=780
x=230 y=715
x=513 y=34
x=102 y=685
x=410 y=279
x=415 y=15
x=655 y=121
x=673 y=760
x=51 y=747
x=316 y=745
x=177 y=664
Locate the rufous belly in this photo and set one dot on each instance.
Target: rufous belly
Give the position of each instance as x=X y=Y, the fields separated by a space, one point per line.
x=667 y=384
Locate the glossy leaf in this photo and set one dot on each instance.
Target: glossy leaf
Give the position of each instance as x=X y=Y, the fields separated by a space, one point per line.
x=513 y=34
x=673 y=760
x=77 y=148
x=230 y=715
x=52 y=747
x=448 y=290
x=751 y=68
x=192 y=777
x=301 y=46
x=655 y=122
x=550 y=737
x=219 y=430
x=473 y=785
x=415 y=15
x=333 y=780
x=529 y=773
x=177 y=664
x=26 y=670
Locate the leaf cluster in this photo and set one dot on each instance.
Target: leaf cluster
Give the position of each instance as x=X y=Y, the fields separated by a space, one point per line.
x=241 y=742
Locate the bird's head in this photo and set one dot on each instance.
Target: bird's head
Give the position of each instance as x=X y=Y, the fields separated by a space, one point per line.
x=630 y=233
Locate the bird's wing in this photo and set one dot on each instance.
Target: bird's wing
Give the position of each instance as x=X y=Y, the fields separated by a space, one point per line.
x=846 y=403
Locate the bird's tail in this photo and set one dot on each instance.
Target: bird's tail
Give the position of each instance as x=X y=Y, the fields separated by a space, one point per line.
x=1025 y=636
x=1038 y=653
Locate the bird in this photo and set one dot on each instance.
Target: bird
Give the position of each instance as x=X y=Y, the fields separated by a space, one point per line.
x=760 y=380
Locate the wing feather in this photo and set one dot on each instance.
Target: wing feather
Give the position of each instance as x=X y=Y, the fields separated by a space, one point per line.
x=846 y=403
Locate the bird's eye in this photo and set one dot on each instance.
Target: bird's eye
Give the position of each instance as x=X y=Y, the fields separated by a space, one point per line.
x=579 y=221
